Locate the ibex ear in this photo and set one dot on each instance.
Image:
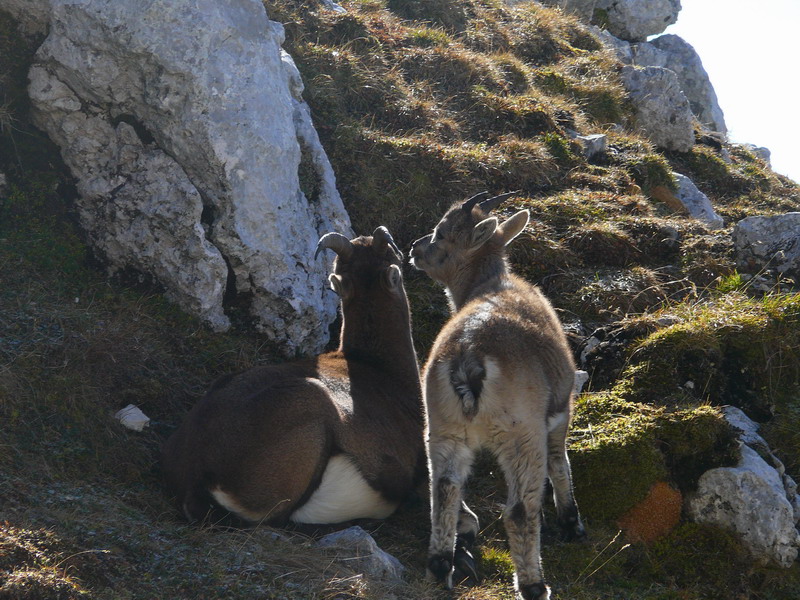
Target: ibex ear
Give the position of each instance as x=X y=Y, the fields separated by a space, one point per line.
x=513 y=226
x=392 y=277
x=483 y=231
x=338 y=285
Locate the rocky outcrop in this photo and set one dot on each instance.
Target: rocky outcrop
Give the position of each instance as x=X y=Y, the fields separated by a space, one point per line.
x=755 y=499
x=662 y=111
x=636 y=20
x=770 y=243
x=184 y=126
x=673 y=53
x=760 y=151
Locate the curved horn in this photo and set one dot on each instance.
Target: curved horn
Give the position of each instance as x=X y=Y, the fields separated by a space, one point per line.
x=496 y=201
x=336 y=242
x=468 y=204
x=382 y=236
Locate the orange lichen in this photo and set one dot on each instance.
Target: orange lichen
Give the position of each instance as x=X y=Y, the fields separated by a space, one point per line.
x=655 y=516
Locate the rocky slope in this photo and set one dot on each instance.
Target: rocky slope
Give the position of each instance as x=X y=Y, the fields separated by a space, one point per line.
x=670 y=254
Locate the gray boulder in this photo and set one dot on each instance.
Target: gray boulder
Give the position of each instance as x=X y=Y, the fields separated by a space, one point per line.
x=760 y=151
x=593 y=144
x=635 y=20
x=183 y=124
x=769 y=243
x=752 y=499
x=675 y=54
x=696 y=202
x=620 y=48
x=662 y=111
x=361 y=552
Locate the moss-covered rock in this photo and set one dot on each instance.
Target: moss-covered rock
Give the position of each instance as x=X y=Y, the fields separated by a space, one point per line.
x=722 y=352
x=620 y=449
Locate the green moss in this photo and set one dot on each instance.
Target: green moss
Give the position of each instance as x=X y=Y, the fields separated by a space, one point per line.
x=734 y=351
x=615 y=461
x=559 y=146
x=693 y=441
x=674 y=365
x=704 y=556
x=620 y=448
x=496 y=564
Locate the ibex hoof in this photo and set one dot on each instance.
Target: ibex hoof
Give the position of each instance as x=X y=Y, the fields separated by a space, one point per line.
x=535 y=591
x=440 y=567
x=464 y=568
x=572 y=529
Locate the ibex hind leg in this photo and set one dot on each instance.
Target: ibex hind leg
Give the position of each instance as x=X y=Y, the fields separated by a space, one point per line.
x=465 y=569
x=560 y=474
x=450 y=462
x=524 y=463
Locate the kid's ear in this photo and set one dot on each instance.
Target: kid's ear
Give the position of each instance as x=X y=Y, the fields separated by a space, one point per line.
x=513 y=226
x=392 y=277
x=483 y=231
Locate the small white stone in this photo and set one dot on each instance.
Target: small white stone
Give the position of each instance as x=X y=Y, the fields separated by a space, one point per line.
x=132 y=418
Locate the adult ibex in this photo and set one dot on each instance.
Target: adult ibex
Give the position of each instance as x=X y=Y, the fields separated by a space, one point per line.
x=322 y=440
x=499 y=375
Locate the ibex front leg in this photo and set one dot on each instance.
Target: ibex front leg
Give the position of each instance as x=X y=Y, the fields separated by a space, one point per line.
x=450 y=461
x=524 y=462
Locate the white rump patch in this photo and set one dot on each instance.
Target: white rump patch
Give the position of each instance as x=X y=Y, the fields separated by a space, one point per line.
x=343 y=495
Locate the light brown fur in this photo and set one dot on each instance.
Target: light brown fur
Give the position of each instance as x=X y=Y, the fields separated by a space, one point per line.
x=500 y=376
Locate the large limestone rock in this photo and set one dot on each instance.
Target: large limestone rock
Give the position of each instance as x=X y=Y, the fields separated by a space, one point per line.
x=673 y=53
x=183 y=124
x=771 y=243
x=752 y=499
x=635 y=20
x=662 y=110
x=677 y=55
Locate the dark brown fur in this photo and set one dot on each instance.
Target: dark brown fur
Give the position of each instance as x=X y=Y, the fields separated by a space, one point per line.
x=265 y=436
